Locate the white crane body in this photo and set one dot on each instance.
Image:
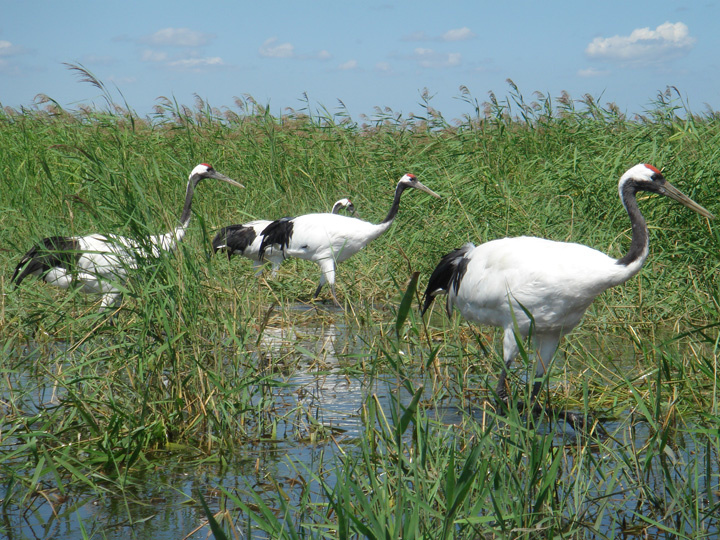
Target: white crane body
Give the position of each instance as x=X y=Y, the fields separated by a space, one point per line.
x=328 y=239
x=525 y=283
x=555 y=281
x=99 y=264
x=319 y=237
x=246 y=239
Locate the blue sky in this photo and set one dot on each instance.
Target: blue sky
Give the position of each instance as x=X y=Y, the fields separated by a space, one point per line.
x=365 y=54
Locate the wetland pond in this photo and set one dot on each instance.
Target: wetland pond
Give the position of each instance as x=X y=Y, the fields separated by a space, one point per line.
x=320 y=397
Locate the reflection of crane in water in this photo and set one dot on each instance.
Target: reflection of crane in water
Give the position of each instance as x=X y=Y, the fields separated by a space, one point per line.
x=308 y=360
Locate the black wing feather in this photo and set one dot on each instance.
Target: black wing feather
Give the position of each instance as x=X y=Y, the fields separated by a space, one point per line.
x=49 y=253
x=233 y=239
x=448 y=273
x=279 y=233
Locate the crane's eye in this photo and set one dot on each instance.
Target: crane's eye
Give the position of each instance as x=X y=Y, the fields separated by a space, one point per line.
x=658 y=178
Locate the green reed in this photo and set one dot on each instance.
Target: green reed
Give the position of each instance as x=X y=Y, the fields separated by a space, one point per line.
x=484 y=475
x=179 y=369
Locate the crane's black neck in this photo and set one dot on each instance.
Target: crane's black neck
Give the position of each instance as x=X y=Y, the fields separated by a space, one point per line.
x=187 y=209
x=395 y=205
x=639 y=243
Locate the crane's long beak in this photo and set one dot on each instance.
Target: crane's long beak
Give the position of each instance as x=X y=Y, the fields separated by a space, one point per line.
x=224 y=178
x=674 y=193
x=419 y=185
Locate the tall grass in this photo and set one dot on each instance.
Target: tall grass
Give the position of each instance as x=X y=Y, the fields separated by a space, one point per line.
x=413 y=474
x=87 y=403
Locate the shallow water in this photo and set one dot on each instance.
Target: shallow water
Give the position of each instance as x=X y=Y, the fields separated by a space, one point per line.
x=320 y=394
x=164 y=507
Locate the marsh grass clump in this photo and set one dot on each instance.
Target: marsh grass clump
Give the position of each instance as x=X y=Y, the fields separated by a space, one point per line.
x=187 y=372
x=424 y=469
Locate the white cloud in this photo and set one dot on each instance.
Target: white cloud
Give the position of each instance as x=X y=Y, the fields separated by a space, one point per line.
x=193 y=61
x=417 y=36
x=269 y=49
x=383 y=66
x=179 y=37
x=350 y=64
x=593 y=72
x=153 y=56
x=196 y=63
x=453 y=59
x=458 y=34
x=667 y=41
x=428 y=58
x=8 y=49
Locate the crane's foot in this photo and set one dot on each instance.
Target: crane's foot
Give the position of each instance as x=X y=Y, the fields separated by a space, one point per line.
x=316 y=296
x=584 y=424
x=334 y=296
x=503 y=406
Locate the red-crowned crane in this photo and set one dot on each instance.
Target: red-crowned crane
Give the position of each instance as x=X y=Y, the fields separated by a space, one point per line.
x=510 y=279
x=329 y=239
x=245 y=239
x=97 y=263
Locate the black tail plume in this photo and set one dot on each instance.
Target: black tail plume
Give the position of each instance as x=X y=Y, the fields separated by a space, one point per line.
x=233 y=239
x=49 y=253
x=448 y=272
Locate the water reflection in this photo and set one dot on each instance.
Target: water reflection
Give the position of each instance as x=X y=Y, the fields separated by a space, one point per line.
x=319 y=406
x=319 y=386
